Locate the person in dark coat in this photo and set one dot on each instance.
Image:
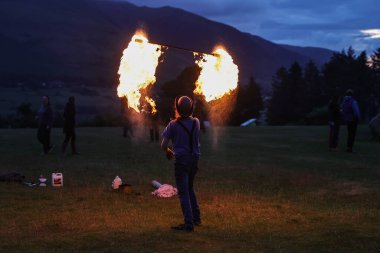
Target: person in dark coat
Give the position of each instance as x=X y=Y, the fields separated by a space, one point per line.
x=351 y=116
x=69 y=126
x=45 y=121
x=154 y=127
x=126 y=118
x=334 y=122
x=373 y=106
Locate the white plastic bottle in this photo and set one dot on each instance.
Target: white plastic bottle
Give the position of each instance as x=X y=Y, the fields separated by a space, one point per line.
x=57 y=179
x=116 y=183
x=42 y=180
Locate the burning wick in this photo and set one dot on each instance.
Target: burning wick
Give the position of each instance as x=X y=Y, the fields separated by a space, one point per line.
x=137 y=71
x=219 y=75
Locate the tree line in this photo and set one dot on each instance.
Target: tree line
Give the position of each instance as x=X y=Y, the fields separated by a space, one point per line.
x=300 y=94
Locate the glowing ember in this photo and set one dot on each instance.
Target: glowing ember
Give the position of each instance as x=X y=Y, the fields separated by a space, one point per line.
x=219 y=75
x=137 y=70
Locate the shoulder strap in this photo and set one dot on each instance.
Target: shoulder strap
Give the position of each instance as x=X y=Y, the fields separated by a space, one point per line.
x=189 y=133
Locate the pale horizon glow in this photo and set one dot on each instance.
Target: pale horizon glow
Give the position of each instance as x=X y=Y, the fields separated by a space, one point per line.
x=371 y=33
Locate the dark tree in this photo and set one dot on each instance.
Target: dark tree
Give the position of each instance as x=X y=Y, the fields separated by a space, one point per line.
x=375 y=67
x=183 y=85
x=249 y=102
x=345 y=71
x=277 y=107
x=315 y=91
x=25 y=116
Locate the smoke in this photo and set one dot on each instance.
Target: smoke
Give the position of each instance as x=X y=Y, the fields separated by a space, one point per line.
x=219 y=112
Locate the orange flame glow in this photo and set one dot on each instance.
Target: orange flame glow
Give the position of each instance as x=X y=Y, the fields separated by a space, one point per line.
x=137 y=70
x=219 y=75
x=152 y=104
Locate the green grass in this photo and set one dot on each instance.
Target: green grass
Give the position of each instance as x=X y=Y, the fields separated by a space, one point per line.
x=262 y=189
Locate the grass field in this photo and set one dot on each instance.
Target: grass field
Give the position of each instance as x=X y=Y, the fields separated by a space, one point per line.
x=261 y=189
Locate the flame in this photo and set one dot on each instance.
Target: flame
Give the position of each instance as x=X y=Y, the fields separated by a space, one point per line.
x=137 y=70
x=152 y=104
x=219 y=75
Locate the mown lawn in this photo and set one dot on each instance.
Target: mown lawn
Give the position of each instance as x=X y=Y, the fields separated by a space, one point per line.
x=261 y=189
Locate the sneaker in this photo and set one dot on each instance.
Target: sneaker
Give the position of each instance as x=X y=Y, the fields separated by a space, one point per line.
x=51 y=148
x=183 y=227
x=197 y=223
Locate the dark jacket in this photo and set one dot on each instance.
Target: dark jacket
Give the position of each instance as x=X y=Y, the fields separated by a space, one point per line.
x=335 y=114
x=69 y=116
x=350 y=109
x=45 y=116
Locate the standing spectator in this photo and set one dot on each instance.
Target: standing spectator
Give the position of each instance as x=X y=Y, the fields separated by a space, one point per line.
x=373 y=107
x=334 y=122
x=69 y=126
x=351 y=116
x=126 y=118
x=152 y=118
x=154 y=127
x=45 y=121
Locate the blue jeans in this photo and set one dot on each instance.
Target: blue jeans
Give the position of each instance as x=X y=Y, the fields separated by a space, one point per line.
x=185 y=169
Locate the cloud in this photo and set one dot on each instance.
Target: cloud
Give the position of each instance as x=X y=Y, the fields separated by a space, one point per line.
x=371 y=33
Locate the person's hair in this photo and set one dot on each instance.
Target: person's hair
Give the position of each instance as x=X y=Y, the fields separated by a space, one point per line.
x=349 y=92
x=334 y=100
x=71 y=99
x=48 y=99
x=183 y=107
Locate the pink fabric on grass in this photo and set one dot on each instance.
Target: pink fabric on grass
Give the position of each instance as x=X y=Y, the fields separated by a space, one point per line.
x=165 y=191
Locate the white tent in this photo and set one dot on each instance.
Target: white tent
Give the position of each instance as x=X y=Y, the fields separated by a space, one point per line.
x=250 y=122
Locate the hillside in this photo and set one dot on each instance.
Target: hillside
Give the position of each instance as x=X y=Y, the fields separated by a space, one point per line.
x=82 y=41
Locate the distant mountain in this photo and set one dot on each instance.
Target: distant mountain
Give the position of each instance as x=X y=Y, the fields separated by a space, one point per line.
x=319 y=55
x=83 y=40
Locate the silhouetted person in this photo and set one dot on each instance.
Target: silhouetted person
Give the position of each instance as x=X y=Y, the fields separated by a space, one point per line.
x=45 y=121
x=126 y=118
x=334 y=122
x=184 y=133
x=373 y=106
x=351 y=116
x=154 y=127
x=153 y=121
x=200 y=113
x=69 y=126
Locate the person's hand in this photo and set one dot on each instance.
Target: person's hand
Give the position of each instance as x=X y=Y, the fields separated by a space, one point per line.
x=169 y=154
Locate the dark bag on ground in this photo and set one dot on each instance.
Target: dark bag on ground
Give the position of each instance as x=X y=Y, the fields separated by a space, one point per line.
x=12 y=177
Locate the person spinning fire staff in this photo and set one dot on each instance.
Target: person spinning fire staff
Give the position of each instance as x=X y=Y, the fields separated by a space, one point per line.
x=69 y=126
x=184 y=133
x=45 y=122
